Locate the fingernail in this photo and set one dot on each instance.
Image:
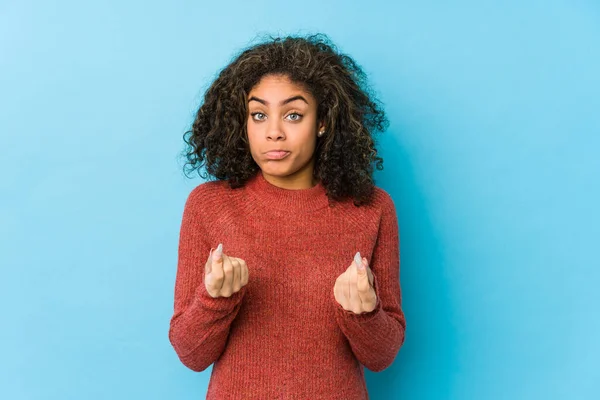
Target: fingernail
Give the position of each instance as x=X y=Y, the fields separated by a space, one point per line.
x=358 y=259
x=218 y=251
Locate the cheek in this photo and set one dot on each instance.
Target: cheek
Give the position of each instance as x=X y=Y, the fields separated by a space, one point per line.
x=309 y=140
x=251 y=133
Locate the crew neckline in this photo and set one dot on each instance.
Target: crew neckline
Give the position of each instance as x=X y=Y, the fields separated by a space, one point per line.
x=291 y=200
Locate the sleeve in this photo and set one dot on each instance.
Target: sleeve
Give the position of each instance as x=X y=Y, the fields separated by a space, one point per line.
x=376 y=336
x=200 y=324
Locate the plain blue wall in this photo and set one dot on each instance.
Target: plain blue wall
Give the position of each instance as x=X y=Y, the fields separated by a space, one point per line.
x=491 y=158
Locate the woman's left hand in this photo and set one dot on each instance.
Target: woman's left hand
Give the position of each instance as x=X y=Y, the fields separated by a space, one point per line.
x=354 y=290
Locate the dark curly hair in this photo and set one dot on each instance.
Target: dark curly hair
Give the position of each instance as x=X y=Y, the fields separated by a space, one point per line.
x=344 y=157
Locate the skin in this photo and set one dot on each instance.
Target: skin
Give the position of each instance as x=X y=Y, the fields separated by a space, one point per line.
x=283 y=115
x=224 y=275
x=354 y=290
x=290 y=126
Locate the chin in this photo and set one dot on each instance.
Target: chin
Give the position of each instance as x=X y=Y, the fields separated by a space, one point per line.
x=279 y=171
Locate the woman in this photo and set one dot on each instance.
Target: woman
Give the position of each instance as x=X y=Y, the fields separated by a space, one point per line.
x=288 y=261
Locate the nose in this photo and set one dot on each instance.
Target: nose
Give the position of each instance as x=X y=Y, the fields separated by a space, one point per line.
x=275 y=131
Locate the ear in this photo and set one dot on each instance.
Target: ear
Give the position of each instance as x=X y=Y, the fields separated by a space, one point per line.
x=321 y=126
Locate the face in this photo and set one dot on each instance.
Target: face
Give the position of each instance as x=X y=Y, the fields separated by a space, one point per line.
x=282 y=131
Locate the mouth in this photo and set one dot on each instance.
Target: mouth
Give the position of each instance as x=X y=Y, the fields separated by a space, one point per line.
x=276 y=154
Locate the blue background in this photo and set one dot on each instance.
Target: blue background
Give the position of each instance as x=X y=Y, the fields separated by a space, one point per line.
x=491 y=158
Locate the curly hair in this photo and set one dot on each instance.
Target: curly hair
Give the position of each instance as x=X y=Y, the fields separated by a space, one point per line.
x=344 y=157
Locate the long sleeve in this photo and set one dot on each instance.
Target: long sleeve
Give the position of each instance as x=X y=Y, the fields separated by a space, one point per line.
x=376 y=337
x=200 y=324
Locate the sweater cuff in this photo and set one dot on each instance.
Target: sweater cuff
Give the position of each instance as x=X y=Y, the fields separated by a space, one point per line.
x=208 y=302
x=362 y=317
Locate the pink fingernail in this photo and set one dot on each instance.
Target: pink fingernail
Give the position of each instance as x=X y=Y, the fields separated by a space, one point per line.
x=218 y=251
x=357 y=259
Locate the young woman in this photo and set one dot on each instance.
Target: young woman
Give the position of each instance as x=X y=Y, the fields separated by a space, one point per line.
x=288 y=262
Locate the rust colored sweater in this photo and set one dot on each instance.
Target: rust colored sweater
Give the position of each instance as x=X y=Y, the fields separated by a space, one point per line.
x=283 y=335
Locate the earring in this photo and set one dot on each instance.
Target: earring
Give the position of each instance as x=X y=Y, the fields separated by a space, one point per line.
x=321 y=133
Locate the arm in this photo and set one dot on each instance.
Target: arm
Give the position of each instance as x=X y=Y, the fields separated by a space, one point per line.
x=376 y=337
x=200 y=324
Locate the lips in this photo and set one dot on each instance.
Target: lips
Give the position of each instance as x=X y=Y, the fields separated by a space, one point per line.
x=276 y=154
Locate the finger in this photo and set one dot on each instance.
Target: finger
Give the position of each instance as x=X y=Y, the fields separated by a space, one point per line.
x=367 y=297
x=340 y=291
x=208 y=265
x=364 y=285
x=215 y=278
x=362 y=280
x=236 y=284
x=227 y=288
x=244 y=272
x=354 y=300
x=370 y=273
x=358 y=260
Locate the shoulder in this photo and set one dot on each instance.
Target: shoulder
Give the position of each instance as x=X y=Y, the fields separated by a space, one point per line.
x=207 y=193
x=381 y=206
x=386 y=211
x=381 y=202
x=209 y=188
x=382 y=197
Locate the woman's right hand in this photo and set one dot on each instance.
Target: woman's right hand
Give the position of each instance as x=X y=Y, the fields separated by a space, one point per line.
x=224 y=275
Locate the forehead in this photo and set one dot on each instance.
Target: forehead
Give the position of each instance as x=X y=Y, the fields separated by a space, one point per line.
x=274 y=87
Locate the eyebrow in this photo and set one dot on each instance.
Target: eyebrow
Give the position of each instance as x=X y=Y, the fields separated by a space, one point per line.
x=297 y=97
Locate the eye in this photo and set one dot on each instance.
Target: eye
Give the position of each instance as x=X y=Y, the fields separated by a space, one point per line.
x=296 y=118
x=259 y=114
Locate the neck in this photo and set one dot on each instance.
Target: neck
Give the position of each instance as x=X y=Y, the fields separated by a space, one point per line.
x=303 y=179
x=290 y=201
x=292 y=183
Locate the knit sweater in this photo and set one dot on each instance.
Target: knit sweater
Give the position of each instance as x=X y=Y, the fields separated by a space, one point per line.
x=284 y=335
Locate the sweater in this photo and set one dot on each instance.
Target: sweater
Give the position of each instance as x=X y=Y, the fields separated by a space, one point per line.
x=284 y=335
